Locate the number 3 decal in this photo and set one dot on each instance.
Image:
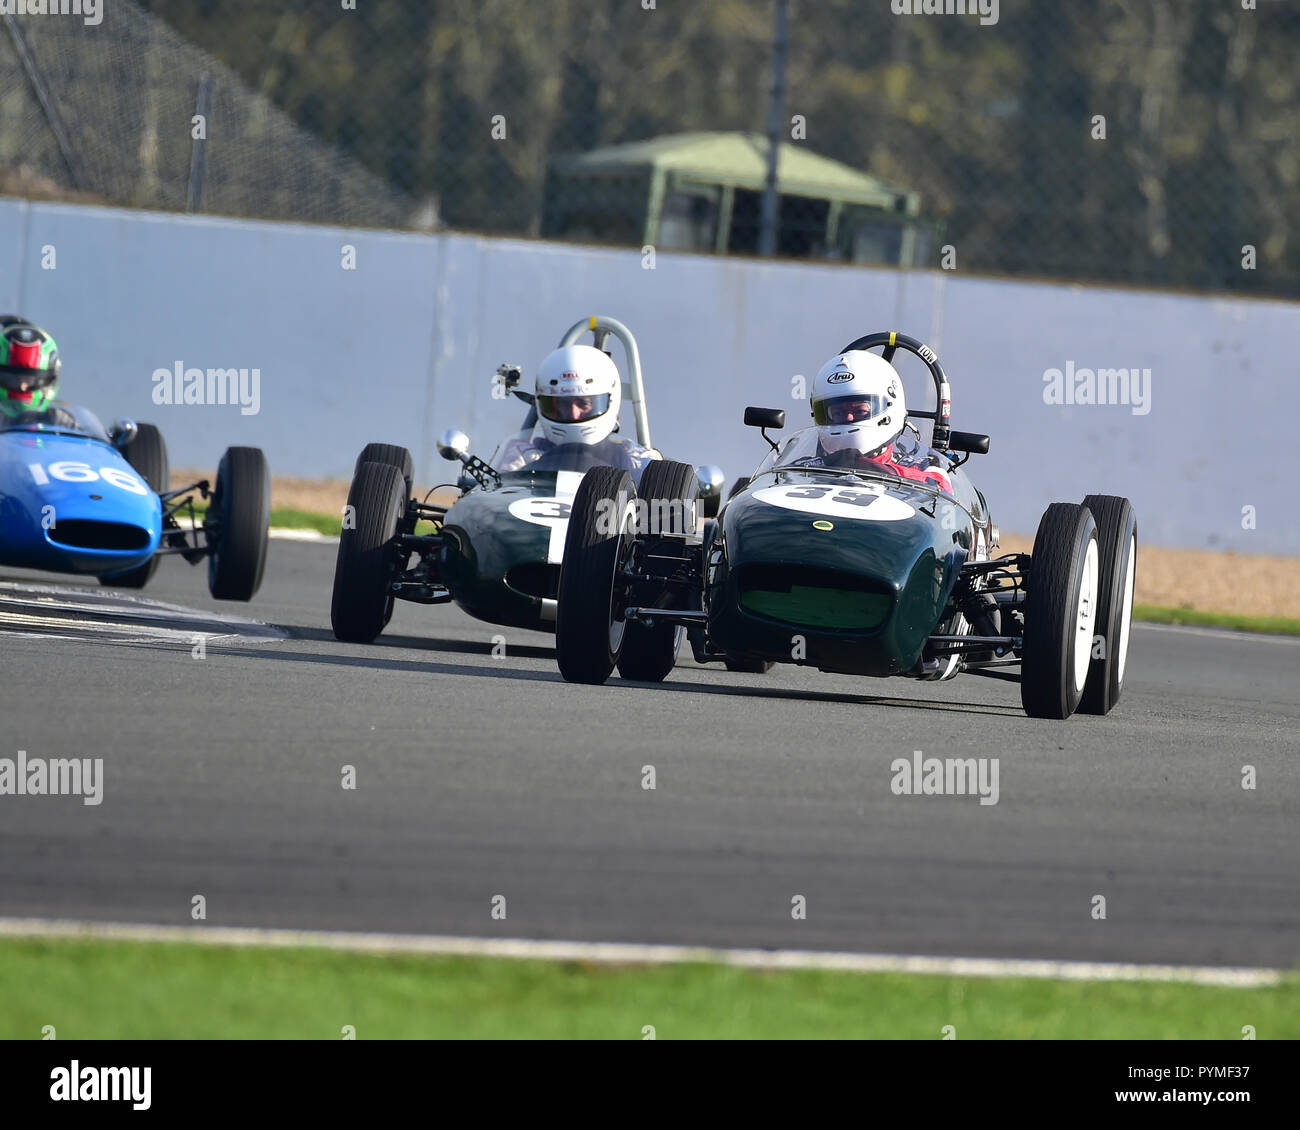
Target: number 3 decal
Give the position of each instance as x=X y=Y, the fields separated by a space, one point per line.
x=855 y=497
x=542 y=511
x=549 y=509
x=808 y=492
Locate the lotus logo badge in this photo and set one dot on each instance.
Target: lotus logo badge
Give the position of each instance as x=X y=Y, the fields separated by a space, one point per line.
x=822 y=524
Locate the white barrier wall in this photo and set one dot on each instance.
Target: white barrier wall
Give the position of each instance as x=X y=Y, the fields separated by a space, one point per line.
x=406 y=344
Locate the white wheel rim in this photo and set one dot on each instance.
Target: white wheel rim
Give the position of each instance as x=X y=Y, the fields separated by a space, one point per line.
x=1126 y=617
x=616 y=627
x=1085 y=617
x=961 y=628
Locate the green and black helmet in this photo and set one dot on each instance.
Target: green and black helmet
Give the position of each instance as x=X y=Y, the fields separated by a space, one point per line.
x=29 y=369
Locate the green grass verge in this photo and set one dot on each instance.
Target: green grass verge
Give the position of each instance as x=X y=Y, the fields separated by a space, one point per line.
x=290 y=518
x=128 y=990
x=286 y=517
x=1160 y=614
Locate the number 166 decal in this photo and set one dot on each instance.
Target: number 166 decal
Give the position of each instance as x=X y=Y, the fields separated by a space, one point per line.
x=71 y=471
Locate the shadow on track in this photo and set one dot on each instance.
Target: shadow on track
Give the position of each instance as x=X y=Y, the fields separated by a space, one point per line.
x=375 y=659
x=426 y=643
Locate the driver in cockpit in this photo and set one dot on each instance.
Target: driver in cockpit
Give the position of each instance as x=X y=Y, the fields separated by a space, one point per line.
x=860 y=411
x=578 y=393
x=29 y=376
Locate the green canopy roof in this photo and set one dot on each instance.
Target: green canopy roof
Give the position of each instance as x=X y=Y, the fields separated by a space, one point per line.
x=740 y=160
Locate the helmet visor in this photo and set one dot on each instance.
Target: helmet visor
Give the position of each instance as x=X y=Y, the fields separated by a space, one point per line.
x=573 y=409
x=19 y=378
x=854 y=409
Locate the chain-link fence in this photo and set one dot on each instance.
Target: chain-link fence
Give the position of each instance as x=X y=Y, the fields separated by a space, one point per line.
x=127 y=111
x=1149 y=142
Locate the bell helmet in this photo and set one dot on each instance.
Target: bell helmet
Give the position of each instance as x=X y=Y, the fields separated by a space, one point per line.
x=578 y=395
x=29 y=369
x=858 y=403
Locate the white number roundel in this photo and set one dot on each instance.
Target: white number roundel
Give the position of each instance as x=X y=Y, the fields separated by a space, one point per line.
x=73 y=471
x=868 y=502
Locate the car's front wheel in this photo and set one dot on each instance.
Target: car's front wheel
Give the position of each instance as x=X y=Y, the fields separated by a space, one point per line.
x=392 y=454
x=650 y=650
x=239 y=519
x=1060 y=611
x=1117 y=545
x=365 y=566
x=589 y=627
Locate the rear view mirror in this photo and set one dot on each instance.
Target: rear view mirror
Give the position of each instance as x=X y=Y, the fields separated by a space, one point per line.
x=765 y=418
x=453 y=445
x=122 y=432
x=971 y=442
x=709 y=480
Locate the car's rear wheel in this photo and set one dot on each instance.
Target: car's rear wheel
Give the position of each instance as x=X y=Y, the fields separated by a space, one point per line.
x=147 y=454
x=589 y=630
x=367 y=557
x=1060 y=611
x=241 y=507
x=391 y=455
x=650 y=650
x=1117 y=546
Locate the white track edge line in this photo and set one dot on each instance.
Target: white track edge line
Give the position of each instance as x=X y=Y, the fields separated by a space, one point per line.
x=627 y=953
x=1218 y=633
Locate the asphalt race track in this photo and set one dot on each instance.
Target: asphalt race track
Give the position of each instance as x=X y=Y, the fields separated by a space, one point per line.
x=481 y=775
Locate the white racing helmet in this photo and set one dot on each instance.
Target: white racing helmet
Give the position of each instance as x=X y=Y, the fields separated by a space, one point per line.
x=858 y=403
x=578 y=395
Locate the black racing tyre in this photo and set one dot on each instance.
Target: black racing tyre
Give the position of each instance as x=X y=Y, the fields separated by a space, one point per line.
x=736 y=487
x=602 y=523
x=392 y=455
x=1117 y=579
x=241 y=507
x=650 y=650
x=666 y=481
x=1060 y=611
x=748 y=664
x=147 y=454
x=367 y=556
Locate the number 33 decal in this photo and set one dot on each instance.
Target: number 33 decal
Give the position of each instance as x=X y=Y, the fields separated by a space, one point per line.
x=848 y=496
x=838 y=502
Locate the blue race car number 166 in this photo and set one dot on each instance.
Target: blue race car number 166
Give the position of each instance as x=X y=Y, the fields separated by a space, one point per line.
x=71 y=471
